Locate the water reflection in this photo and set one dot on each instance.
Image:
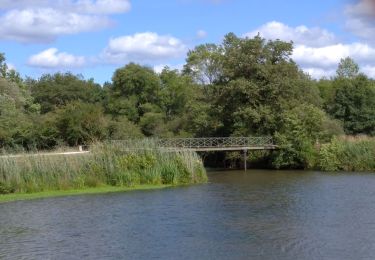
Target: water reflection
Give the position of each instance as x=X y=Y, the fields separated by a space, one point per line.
x=238 y=215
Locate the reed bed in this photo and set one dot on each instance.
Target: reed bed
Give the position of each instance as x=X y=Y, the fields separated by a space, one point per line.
x=116 y=164
x=348 y=153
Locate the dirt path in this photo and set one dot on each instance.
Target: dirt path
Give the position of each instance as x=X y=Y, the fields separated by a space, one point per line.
x=43 y=154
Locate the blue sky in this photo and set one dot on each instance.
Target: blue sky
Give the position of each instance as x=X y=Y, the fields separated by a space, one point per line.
x=94 y=37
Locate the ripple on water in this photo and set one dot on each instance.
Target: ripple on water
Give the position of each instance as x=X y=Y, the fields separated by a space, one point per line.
x=258 y=214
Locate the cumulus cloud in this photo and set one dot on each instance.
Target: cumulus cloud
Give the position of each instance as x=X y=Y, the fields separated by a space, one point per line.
x=143 y=47
x=78 y=6
x=318 y=51
x=44 y=25
x=45 y=20
x=329 y=56
x=299 y=35
x=147 y=48
x=361 y=18
x=53 y=59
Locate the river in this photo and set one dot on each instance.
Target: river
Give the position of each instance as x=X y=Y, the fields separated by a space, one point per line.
x=237 y=215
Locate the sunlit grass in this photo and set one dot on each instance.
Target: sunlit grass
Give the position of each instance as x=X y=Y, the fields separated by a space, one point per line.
x=60 y=193
x=348 y=154
x=111 y=164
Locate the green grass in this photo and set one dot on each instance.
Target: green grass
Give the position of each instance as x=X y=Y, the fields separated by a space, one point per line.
x=61 y=193
x=348 y=154
x=128 y=164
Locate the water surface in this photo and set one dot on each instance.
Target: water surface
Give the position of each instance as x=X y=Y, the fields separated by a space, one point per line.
x=238 y=215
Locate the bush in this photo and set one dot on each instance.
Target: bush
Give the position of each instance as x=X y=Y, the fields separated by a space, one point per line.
x=348 y=154
x=6 y=189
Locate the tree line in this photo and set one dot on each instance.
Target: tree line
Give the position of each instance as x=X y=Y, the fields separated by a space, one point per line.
x=240 y=87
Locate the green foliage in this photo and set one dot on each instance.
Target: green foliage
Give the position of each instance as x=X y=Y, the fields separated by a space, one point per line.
x=108 y=164
x=353 y=104
x=328 y=155
x=6 y=189
x=81 y=123
x=54 y=91
x=121 y=128
x=133 y=86
x=204 y=64
x=303 y=127
x=240 y=87
x=348 y=154
x=347 y=68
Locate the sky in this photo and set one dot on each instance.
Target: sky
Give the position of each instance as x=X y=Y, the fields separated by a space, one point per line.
x=95 y=37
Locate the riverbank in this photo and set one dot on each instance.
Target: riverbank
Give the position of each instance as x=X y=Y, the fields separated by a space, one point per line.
x=129 y=165
x=62 y=193
x=347 y=153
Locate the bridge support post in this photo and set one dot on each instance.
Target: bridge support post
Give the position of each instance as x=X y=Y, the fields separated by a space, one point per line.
x=245 y=159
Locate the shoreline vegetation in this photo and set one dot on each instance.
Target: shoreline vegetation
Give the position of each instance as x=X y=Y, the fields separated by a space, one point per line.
x=239 y=87
x=86 y=191
x=347 y=153
x=108 y=167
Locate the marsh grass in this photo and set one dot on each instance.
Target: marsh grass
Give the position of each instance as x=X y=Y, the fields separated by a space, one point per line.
x=122 y=164
x=348 y=154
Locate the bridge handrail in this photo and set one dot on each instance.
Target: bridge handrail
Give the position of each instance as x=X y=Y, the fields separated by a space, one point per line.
x=209 y=142
x=215 y=142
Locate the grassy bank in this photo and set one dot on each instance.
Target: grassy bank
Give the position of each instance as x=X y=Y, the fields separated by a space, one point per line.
x=60 y=193
x=348 y=154
x=116 y=165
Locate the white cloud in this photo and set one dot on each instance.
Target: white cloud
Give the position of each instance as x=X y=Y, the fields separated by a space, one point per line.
x=299 y=35
x=361 y=18
x=317 y=51
x=143 y=47
x=369 y=70
x=323 y=61
x=44 y=25
x=319 y=73
x=11 y=66
x=201 y=34
x=45 y=20
x=77 y=6
x=53 y=59
x=159 y=68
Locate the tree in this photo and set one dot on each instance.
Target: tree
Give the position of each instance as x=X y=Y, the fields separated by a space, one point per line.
x=133 y=86
x=81 y=123
x=354 y=104
x=57 y=90
x=121 y=128
x=347 y=68
x=204 y=64
x=259 y=82
x=303 y=127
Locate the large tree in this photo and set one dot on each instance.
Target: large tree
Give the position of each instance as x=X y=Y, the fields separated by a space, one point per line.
x=57 y=90
x=353 y=103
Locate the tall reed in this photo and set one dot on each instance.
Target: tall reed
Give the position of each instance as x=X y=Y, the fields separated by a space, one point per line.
x=116 y=164
x=348 y=154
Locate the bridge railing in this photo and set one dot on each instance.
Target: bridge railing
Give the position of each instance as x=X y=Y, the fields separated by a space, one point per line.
x=213 y=142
